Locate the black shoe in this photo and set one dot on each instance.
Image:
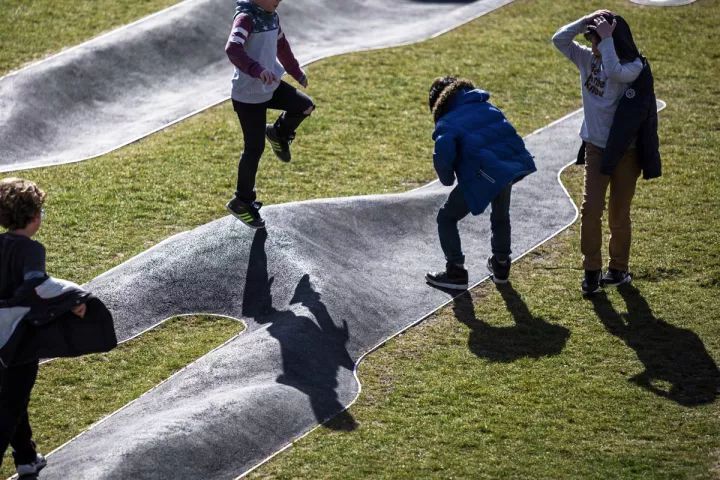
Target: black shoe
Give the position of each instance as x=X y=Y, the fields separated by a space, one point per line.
x=280 y=145
x=591 y=282
x=248 y=213
x=499 y=271
x=454 y=277
x=30 y=470
x=615 y=278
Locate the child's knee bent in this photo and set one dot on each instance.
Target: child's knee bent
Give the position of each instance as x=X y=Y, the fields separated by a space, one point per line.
x=309 y=110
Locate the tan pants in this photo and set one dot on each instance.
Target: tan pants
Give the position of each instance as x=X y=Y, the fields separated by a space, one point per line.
x=622 y=189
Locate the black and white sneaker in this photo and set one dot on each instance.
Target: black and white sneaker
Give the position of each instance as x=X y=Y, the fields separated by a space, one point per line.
x=280 y=145
x=615 y=278
x=31 y=469
x=454 y=277
x=499 y=271
x=591 y=282
x=248 y=213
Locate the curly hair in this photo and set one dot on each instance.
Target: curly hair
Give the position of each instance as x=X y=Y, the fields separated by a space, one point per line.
x=20 y=201
x=442 y=90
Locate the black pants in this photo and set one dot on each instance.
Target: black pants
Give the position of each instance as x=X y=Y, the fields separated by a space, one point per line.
x=252 y=118
x=16 y=383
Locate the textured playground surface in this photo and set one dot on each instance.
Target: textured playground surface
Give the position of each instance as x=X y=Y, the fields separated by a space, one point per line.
x=316 y=296
x=119 y=87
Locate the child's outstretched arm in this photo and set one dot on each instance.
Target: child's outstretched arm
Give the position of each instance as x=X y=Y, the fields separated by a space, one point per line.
x=288 y=60
x=235 y=50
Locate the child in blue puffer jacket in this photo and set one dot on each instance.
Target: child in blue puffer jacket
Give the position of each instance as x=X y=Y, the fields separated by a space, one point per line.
x=475 y=143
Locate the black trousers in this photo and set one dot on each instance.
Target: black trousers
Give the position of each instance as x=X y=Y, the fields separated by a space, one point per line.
x=253 y=117
x=16 y=383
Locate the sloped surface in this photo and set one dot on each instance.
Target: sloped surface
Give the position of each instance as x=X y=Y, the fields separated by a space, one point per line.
x=122 y=86
x=329 y=281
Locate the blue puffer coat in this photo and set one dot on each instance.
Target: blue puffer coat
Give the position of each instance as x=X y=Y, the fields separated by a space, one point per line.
x=475 y=141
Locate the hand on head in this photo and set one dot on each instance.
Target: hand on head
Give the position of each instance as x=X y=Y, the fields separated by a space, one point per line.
x=603 y=28
x=590 y=17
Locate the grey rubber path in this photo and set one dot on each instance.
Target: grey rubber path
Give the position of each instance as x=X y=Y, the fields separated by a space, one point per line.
x=122 y=86
x=327 y=282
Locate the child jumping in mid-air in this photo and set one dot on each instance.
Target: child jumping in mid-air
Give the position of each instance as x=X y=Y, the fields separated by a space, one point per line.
x=475 y=142
x=255 y=45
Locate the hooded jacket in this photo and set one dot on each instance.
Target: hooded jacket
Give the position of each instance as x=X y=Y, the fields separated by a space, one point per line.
x=636 y=117
x=475 y=142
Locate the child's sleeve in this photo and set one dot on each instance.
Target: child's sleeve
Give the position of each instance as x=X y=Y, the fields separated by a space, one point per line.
x=287 y=58
x=444 y=156
x=564 y=40
x=619 y=72
x=235 y=47
x=34 y=261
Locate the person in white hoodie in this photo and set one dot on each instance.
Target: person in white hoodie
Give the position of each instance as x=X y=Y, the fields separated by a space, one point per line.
x=260 y=52
x=607 y=70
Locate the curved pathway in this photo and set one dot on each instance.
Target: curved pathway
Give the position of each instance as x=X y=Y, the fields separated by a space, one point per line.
x=328 y=282
x=122 y=86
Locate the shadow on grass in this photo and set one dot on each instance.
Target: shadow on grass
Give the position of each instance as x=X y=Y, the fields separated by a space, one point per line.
x=677 y=365
x=530 y=337
x=313 y=349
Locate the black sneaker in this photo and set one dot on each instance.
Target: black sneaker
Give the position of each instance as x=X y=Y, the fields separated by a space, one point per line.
x=615 y=278
x=454 y=277
x=31 y=469
x=499 y=271
x=279 y=144
x=248 y=213
x=591 y=282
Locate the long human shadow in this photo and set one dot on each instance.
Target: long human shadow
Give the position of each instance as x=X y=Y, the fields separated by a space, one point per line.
x=677 y=365
x=530 y=337
x=312 y=352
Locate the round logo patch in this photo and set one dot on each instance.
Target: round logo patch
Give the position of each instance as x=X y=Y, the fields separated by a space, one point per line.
x=630 y=93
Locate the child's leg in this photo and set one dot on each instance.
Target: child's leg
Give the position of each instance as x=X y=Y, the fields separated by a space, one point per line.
x=454 y=210
x=252 y=121
x=16 y=383
x=622 y=190
x=591 y=210
x=500 y=225
x=296 y=107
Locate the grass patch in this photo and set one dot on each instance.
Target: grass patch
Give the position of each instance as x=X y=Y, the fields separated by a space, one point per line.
x=73 y=393
x=33 y=29
x=463 y=399
x=482 y=391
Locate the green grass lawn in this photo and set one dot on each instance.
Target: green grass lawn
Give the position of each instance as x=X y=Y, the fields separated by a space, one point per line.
x=33 y=29
x=483 y=390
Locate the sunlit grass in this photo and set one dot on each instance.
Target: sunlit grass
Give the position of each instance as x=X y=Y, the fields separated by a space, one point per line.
x=432 y=407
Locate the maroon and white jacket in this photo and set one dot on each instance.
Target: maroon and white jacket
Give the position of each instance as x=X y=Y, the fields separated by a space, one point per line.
x=258 y=43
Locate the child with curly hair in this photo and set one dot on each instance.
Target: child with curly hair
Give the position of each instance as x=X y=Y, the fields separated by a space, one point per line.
x=475 y=143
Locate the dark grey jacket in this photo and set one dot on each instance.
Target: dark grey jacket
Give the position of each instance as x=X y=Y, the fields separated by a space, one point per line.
x=37 y=323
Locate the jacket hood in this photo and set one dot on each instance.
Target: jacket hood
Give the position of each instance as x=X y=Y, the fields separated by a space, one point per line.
x=458 y=93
